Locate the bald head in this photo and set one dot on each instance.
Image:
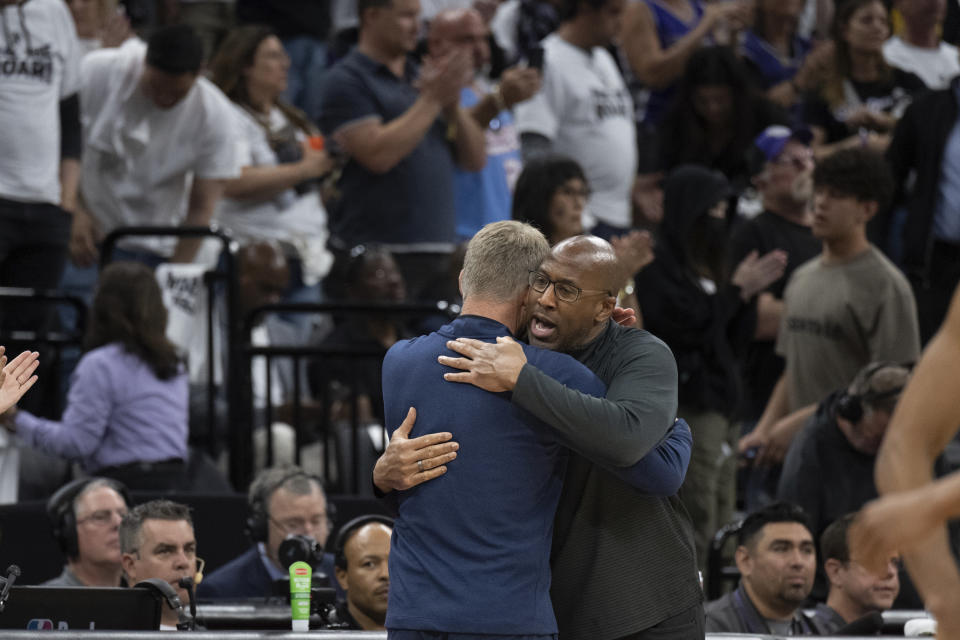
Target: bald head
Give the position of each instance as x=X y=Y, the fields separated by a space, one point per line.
x=459 y=29
x=595 y=257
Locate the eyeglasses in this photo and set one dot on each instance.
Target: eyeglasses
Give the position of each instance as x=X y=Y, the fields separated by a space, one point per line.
x=103 y=517
x=564 y=291
x=299 y=526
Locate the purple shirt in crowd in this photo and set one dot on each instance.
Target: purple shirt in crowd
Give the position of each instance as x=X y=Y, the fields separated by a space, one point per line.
x=117 y=412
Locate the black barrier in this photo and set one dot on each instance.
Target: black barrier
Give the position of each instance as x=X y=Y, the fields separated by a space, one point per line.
x=359 y=479
x=214 y=278
x=55 y=341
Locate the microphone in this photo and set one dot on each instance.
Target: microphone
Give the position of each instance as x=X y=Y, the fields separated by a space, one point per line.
x=187 y=582
x=868 y=625
x=163 y=589
x=13 y=572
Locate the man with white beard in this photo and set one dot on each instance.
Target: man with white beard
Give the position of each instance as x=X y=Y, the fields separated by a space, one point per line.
x=785 y=186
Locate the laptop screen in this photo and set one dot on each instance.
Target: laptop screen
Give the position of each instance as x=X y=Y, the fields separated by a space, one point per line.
x=51 y=608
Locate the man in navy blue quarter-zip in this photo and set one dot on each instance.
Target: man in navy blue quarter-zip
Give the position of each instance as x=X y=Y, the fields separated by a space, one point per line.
x=471 y=551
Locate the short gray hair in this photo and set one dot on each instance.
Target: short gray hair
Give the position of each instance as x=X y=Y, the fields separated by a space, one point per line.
x=132 y=523
x=500 y=258
x=97 y=483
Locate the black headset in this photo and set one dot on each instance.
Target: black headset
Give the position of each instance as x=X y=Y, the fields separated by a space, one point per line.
x=850 y=405
x=258 y=521
x=63 y=520
x=339 y=557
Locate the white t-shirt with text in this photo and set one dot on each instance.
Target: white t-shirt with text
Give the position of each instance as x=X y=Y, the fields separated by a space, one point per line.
x=586 y=111
x=39 y=66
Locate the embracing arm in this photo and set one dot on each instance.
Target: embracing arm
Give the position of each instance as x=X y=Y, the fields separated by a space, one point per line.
x=661 y=472
x=617 y=430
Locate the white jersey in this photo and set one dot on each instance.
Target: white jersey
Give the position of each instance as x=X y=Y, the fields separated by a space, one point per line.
x=585 y=109
x=39 y=58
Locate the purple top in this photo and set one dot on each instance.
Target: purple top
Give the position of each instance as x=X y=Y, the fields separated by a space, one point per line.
x=117 y=412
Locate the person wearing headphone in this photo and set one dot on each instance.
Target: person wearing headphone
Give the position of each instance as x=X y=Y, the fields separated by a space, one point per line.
x=157 y=543
x=285 y=502
x=85 y=517
x=829 y=468
x=361 y=553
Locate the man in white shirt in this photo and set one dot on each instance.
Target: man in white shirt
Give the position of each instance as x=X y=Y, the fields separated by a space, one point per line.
x=39 y=146
x=159 y=141
x=584 y=110
x=919 y=48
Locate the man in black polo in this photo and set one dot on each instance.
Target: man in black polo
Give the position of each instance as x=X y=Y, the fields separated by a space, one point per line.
x=401 y=131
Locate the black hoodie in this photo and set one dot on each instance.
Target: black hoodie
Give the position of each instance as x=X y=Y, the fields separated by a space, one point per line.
x=704 y=330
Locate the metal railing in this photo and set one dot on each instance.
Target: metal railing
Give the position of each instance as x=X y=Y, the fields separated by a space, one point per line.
x=358 y=310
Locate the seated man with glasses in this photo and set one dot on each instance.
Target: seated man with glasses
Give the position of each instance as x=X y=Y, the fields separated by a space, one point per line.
x=85 y=517
x=285 y=502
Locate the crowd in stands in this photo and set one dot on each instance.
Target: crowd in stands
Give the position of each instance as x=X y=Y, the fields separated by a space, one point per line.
x=779 y=179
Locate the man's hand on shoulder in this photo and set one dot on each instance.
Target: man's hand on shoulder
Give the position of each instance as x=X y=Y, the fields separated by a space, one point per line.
x=408 y=462
x=491 y=366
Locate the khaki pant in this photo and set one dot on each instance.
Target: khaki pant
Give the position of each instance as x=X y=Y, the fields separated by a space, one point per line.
x=709 y=490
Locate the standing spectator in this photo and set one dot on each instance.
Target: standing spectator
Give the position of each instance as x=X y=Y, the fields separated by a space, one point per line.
x=159 y=147
x=659 y=36
x=277 y=195
x=854 y=591
x=126 y=415
x=922 y=231
x=40 y=147
x=303 y=26
x=785 y=185
x=919 y=48
x=776 y=557
x=858 y=98
x=773 y=49
x=400 y=143
x=706 y=318
x=715 y=116
x=484 y=196
x=843 y=309
x=584 y=110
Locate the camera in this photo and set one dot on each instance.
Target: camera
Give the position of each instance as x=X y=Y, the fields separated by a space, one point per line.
x=297 y=548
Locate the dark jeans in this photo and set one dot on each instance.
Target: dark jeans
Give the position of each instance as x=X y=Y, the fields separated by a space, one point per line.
x=34 y=239
x=33 y=251
x=688 y=625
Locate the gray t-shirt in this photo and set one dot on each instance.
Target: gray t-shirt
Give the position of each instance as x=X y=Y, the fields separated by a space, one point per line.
x=841 y=317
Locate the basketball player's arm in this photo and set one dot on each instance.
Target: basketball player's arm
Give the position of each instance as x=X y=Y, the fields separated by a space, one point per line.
x=911 y=514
